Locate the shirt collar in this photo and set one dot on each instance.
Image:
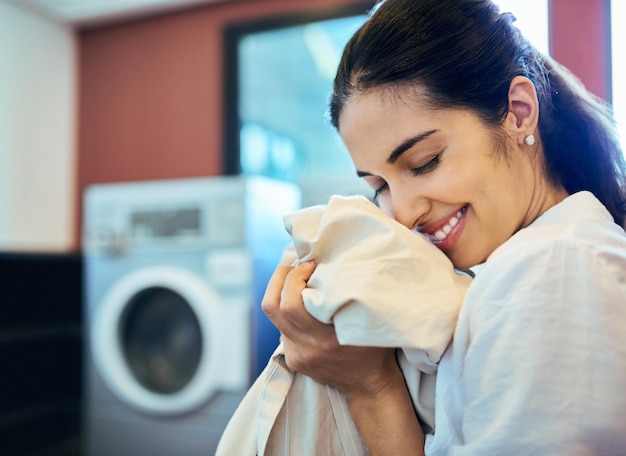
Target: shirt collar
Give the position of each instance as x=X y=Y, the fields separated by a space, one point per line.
x=578 y=207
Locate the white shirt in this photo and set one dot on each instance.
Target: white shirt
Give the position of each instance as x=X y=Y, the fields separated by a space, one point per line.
x=538 y=361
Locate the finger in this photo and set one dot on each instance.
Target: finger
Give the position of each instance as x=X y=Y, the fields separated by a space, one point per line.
x=296 y=281
x=305 y=270
x=283 y=304
x=292 y=305
x=271 y=299
x=290 y=352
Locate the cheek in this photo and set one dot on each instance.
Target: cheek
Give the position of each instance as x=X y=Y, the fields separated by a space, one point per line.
x=460 y=182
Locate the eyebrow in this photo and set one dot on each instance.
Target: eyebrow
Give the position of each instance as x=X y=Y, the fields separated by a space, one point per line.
x=402 y=148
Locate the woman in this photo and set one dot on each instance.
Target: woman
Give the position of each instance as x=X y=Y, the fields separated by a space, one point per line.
x=495 y=152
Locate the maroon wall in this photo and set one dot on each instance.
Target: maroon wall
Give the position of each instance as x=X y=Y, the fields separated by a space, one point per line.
x=580 y=36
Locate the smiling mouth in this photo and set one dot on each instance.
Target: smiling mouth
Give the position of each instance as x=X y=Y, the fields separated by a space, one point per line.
x=441 y=234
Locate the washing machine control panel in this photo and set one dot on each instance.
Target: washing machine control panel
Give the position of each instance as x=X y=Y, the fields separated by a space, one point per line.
x=116 y=228
x=165 y=223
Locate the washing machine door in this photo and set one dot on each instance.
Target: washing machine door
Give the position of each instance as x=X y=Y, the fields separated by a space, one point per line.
x=153 y=340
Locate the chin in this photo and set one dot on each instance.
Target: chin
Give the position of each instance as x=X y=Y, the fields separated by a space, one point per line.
x=463 y=264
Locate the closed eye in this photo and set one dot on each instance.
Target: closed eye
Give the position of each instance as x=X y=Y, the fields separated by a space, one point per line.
x=428 y=167
x=378 y=191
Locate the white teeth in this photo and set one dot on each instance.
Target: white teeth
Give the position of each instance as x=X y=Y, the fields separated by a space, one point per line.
x=445 y=230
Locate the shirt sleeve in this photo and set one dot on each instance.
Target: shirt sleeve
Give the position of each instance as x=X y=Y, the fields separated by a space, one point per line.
x=544 y=371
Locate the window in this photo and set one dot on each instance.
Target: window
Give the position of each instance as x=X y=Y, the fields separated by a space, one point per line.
x=276 y=112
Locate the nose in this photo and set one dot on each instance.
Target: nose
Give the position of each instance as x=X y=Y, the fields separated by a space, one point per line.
x=408 y=210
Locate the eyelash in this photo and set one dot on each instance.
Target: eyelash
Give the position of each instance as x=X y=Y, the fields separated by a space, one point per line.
x=428 y=167
x=378 y=191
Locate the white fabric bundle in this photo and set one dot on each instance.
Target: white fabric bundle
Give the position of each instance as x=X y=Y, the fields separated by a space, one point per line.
x=380 y=284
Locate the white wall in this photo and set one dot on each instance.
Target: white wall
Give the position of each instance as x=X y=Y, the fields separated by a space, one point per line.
x=37 y=132
x=531 y=17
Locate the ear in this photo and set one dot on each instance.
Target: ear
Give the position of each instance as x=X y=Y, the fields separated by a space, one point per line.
x=523 y=115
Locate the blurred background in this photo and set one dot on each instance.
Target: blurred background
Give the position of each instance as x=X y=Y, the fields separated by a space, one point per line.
x=148 y=150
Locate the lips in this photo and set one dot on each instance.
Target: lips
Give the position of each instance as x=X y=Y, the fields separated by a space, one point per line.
x=442 y=236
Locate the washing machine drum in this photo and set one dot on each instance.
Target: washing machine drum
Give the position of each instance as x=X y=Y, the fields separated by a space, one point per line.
x=152 y=340
x=162 y=339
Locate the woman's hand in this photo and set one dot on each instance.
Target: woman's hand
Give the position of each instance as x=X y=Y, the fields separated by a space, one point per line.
x=311 y=347
x=369 y=377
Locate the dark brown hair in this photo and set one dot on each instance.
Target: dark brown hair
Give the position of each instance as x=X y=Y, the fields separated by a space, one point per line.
x=464 y=54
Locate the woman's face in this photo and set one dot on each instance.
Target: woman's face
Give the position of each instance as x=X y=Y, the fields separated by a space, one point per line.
x=439 y=172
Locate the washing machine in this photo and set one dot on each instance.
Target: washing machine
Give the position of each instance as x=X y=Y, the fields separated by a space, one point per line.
x=175 y=271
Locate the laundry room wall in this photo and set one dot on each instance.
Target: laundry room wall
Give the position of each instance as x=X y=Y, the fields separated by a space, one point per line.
x=37 y=132
x=580 y=40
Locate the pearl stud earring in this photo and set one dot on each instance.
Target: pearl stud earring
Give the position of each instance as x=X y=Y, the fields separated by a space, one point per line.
x=529 y=140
